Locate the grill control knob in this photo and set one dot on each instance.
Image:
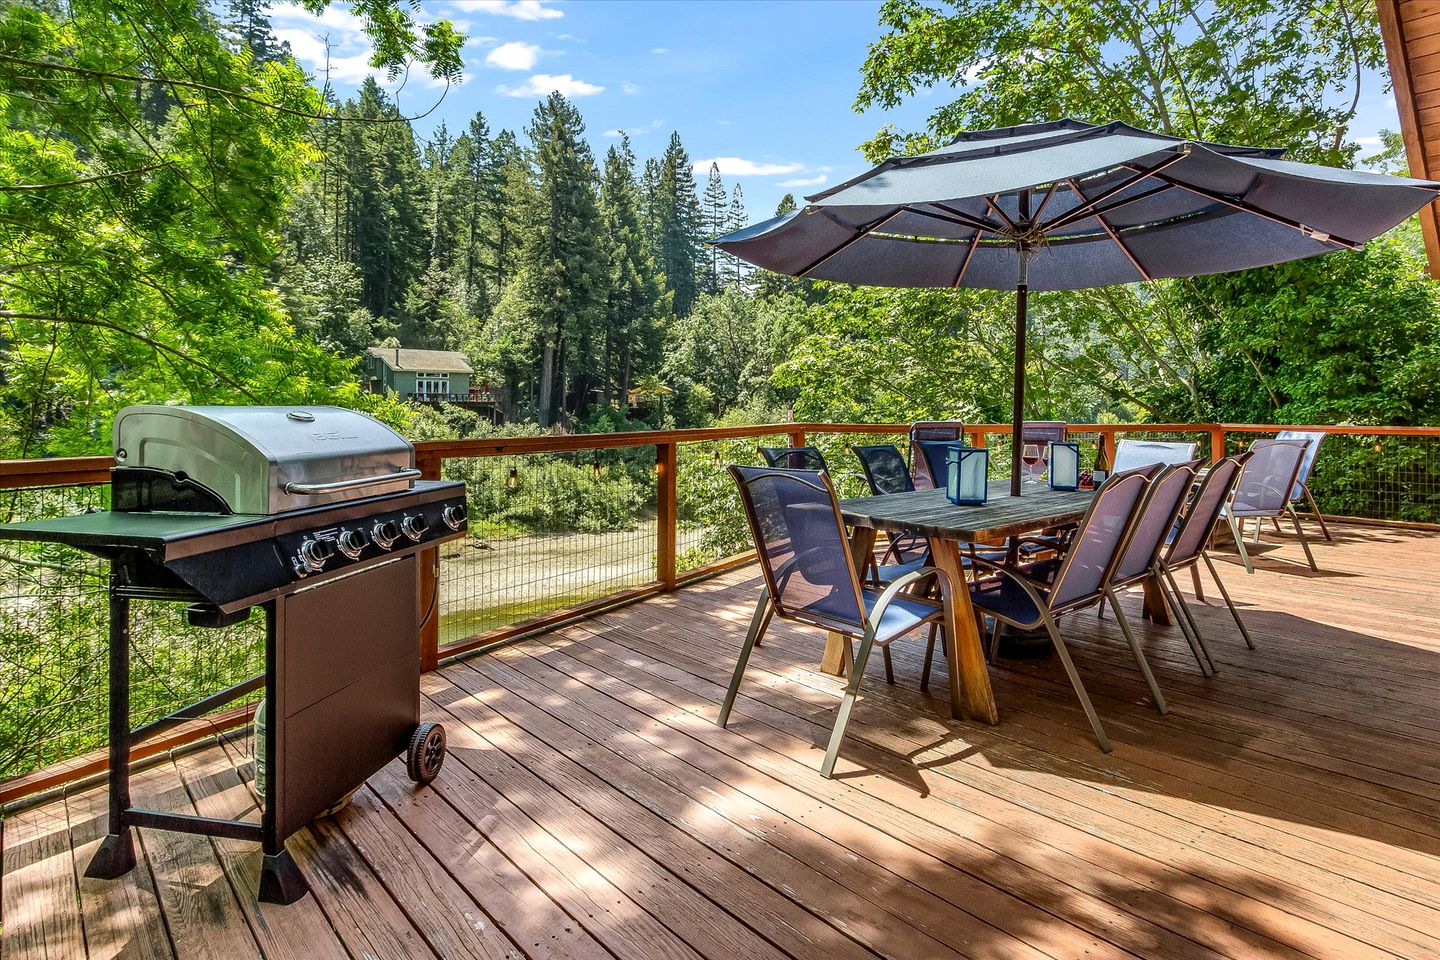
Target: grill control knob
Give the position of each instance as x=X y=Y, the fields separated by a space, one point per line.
x=351 y=543
x=314 y=553
x=454 y=516
x=385 y=534
x=414 y=526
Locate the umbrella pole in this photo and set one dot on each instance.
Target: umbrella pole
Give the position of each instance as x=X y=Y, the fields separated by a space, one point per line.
x=1017 y=413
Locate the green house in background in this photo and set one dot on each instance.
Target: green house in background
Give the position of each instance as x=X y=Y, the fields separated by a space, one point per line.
x=423 y=375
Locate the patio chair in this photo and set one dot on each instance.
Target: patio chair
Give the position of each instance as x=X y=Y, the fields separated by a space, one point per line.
x=1264 y=490
x=1169 y=489
x=1130 y=454
x=1035 y=595
x=794 y=458
x=800 y=539
x=884 y=470
x=1307 y=467
x=1187 y=548
x=947 y=431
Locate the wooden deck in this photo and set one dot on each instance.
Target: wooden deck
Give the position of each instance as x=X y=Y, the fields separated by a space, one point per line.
x=1288 y=807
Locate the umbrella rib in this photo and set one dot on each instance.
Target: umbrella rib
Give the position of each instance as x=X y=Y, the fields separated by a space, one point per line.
x=860 y=232
x=1085 y=209
x=956 y=216
x=990 y=202
x=1244 y=207
x=1113 y=234
x=1048 y=194
x=965 y=261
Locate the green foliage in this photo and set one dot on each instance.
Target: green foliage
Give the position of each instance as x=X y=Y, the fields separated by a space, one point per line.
x=1268 y=72
x=731 y=342
x=890 y=354
x=143 y=172
x=1347 y=338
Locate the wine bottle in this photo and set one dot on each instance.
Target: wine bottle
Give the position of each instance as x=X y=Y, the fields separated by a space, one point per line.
x=1101 y=471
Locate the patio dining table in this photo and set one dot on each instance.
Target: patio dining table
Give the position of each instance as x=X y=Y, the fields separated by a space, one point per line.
x=948 y=527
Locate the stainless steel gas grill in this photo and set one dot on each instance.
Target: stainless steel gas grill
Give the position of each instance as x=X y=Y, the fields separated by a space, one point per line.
x=317 y=516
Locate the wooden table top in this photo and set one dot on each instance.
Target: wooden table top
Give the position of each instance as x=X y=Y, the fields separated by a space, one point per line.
x=928 y=512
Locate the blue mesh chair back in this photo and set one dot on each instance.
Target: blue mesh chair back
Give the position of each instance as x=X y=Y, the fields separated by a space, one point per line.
x=1156 y=519
x=1307 y=463
x=884 y=469
x=1200 y=517
x=948 y=431
x=801 y=542
x=934 y=454
x=1268 y=478
x=1130 y=454
x=794 y=458
x=1098 y=539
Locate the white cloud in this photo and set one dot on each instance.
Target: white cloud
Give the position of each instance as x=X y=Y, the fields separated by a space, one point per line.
x=519 y=9
x=515 y=55
x=1368 y=141
x=615 y=133
x=814 y=181
x=543 y=83
x=738 y=167
x=629 y=89
x=660 y=50
x=724 y=123
x=568 y=36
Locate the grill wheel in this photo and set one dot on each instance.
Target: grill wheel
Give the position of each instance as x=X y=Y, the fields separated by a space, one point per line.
x=426 y=753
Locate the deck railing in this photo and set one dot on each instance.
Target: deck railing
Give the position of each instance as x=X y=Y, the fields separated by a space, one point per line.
x=561 y=526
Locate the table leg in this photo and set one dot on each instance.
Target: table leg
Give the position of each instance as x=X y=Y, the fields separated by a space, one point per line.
x=964 y=650
x=838 y=651
x=1156 y=610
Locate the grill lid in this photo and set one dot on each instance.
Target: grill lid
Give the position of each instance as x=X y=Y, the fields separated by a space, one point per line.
x=267 y=460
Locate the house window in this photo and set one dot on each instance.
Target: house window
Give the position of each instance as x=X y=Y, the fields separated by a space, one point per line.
x=432 y=385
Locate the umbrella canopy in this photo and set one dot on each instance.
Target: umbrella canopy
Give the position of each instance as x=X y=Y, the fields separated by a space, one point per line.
x=1067 y=205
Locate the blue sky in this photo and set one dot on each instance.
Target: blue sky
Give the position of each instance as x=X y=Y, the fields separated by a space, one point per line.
x=765 y=87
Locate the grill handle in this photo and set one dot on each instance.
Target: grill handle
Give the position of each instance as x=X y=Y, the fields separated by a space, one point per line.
x=354 y=483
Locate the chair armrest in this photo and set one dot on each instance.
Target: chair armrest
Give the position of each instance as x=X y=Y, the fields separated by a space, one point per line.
x=893 y=590
x=1026 y=584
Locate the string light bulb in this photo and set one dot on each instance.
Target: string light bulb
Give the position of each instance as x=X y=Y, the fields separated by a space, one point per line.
x=513 y=479
x=595 y=469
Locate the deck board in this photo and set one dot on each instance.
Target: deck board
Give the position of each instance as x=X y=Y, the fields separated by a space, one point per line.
x=590 y=809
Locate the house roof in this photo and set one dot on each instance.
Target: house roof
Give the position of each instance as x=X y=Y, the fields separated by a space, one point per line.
x=422 y=361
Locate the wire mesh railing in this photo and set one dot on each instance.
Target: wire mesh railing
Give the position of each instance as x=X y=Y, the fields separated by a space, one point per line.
x=547 y=531
x=558 y=525
x=54 y=641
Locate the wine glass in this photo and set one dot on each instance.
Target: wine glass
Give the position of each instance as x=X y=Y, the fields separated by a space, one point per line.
x=1030 y=455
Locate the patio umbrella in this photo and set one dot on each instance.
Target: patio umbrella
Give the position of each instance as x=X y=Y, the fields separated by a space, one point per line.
x=1065 y=205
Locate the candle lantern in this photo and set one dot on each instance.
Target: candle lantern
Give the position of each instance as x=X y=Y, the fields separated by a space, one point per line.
x=1064 y=460
x=968 y=474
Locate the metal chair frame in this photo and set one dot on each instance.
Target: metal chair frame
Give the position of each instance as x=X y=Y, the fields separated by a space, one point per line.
x=1167 y=564
x=1237 y=520
x=770 y=605
x=1040 y=594
x=1302 y=480
x=1184 y=475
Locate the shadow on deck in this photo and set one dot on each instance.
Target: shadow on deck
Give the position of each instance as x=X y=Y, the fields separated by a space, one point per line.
x=1288 y=807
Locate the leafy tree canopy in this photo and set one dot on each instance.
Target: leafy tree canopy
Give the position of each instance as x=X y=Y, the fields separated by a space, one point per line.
x=144 y=170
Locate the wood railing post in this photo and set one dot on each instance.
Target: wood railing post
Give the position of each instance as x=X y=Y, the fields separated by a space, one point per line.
x=797 y=438
x=428 y=561
x=1107 y=443
x=1217 y=443
x=977 y=438
x=665 y=513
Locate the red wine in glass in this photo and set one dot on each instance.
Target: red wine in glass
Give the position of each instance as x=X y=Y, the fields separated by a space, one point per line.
x=1029 y=455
